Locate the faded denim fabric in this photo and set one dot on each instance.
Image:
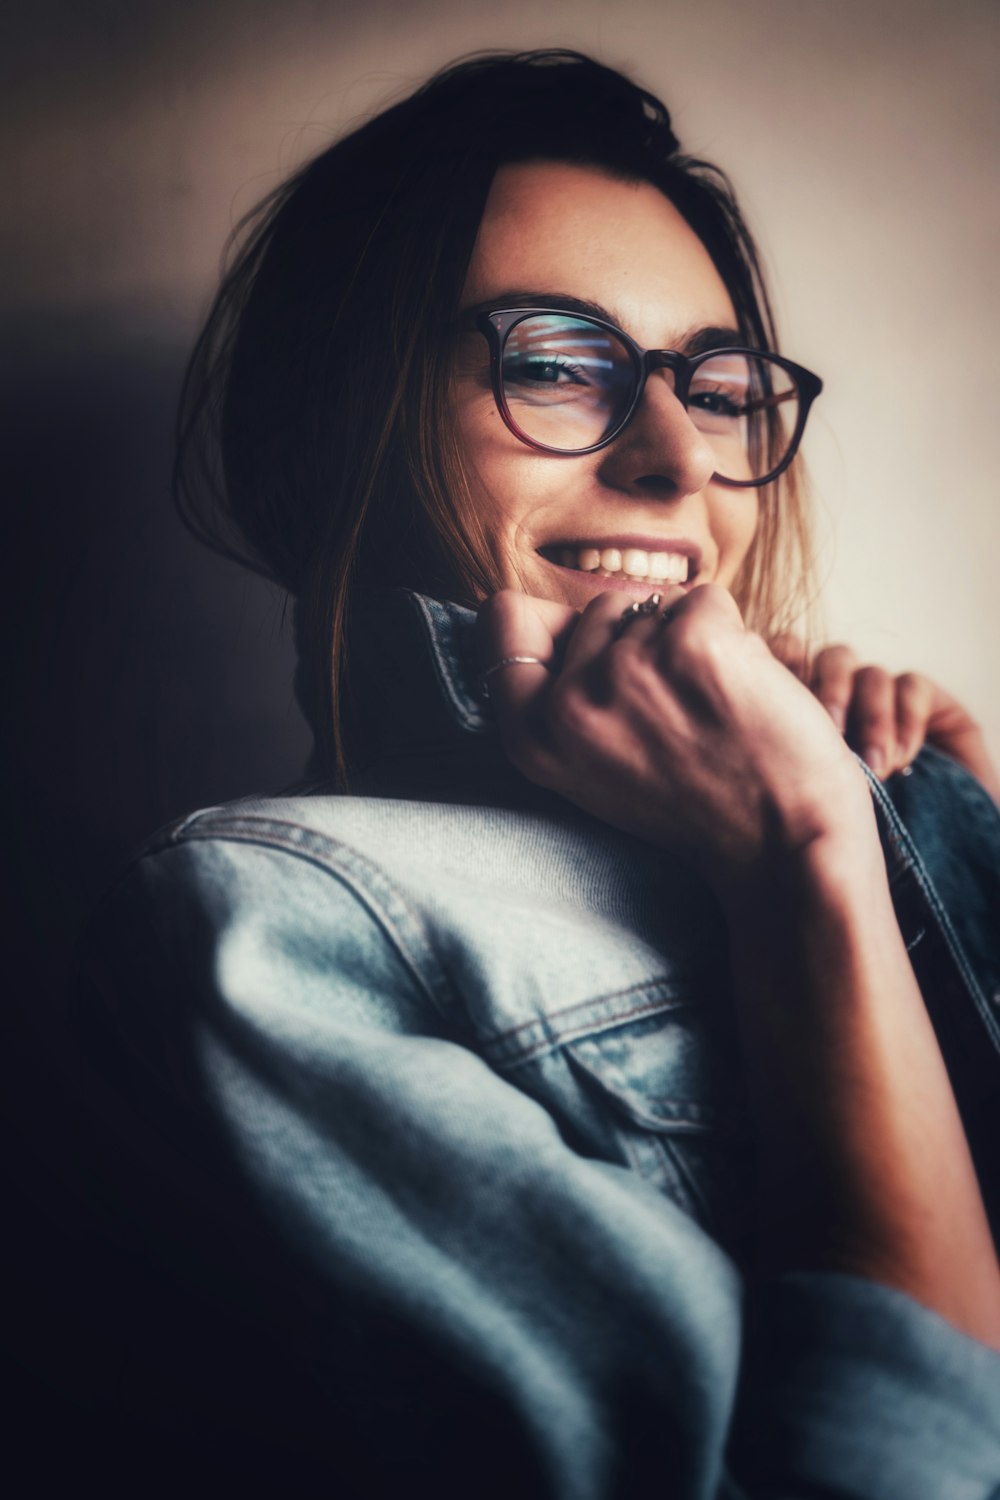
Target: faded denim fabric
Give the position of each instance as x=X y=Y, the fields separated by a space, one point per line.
x=473 y=1054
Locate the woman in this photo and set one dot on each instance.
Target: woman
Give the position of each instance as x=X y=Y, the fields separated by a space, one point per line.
x=576 y=1055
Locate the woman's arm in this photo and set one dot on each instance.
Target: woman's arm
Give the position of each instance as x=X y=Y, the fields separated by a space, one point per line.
x=864 y=1163
x=693 y=736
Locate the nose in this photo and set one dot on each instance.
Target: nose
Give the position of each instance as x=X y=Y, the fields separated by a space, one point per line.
x=661 y=452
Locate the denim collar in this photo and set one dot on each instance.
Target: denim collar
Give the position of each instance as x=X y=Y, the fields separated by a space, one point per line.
x=418 y=717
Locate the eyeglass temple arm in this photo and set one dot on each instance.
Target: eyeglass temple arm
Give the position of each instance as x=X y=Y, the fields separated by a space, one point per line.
x=773 y=400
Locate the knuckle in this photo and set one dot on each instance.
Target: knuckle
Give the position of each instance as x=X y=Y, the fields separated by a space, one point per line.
x=498 y=606
x=833 y=690
x=873 y=681
x=685 y=638
x=836 y=658
x=632 y=673
x=833 y=674
x=572 y=713
x=913 y=708
x=873 y=704
x=694 y=648
x=911 y=685
x=495 y=622
x=530 y=757
x=605 y=607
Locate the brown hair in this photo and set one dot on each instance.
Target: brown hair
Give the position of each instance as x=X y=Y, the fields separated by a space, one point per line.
x=314 y=442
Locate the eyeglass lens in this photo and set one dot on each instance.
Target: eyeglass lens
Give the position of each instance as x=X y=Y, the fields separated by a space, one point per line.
x=568 y=383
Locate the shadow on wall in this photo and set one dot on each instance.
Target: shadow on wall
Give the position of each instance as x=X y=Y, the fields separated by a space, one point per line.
x=145 y=677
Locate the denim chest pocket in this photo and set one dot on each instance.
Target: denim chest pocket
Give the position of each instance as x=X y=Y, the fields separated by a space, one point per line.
x=667 y=1101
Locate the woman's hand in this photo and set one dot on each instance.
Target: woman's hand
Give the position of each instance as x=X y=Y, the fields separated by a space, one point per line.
x=688 y=733
x=694 y=736
x=887 y=718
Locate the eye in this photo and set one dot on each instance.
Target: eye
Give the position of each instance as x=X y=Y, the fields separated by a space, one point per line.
x=716 y=403
x=536 y=371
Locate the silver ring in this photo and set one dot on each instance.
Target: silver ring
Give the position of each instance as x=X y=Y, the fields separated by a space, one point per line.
x=635 y=612
x=508 y=661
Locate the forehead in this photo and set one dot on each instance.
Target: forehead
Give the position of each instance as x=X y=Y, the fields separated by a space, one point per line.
x=559 y=228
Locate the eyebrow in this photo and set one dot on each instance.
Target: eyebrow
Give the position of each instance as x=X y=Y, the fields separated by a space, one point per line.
x=695 y=340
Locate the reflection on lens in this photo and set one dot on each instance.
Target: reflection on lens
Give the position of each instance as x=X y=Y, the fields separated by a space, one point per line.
x=747 y=407
x=568 y=383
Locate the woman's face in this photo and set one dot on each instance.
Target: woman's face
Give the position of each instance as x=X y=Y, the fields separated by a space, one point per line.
x=647 y=503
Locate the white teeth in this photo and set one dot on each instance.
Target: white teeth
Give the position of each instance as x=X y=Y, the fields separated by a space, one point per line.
x=630 y=562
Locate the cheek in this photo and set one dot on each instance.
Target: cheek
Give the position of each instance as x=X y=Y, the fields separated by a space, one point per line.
x=736 y=521
x=483 y=440
x=509 y=481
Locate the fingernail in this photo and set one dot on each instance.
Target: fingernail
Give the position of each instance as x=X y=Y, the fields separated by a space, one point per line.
x=838 y=713
x=874 y=758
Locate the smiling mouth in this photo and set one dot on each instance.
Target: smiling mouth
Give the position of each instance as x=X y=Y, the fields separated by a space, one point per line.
x=634 y=564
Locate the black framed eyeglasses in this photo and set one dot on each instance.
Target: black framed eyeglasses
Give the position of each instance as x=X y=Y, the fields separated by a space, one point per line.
x=568 y=383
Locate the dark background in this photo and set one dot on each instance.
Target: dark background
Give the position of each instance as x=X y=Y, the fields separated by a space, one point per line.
x=144 y=677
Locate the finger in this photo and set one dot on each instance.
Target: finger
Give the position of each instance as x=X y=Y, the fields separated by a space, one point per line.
x=791 y=651
x=832 y=682
x=914 y=700
x=610 y=618
x=605 y=623
x=952 y=729
x=871 y=718
x=509 y=621
x=512 y=625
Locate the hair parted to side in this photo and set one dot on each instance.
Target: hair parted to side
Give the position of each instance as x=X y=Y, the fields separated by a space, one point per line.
x=314 y=439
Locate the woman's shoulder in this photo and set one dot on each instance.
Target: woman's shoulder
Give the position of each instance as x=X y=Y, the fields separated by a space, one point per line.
x=259 y=882
x=279 y=893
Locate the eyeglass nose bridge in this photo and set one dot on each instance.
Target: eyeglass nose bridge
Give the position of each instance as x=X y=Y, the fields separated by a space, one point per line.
x=668 y=359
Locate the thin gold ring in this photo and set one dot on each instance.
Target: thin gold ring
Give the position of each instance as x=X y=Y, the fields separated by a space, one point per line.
x=508 y=661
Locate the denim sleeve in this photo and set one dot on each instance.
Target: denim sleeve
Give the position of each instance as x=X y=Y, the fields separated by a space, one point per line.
x=305 y=1021
x=850 y=1388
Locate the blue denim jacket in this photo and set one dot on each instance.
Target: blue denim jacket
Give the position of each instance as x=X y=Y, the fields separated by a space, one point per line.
x=472 y=1053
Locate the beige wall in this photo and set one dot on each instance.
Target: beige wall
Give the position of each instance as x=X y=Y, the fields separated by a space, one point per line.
x=862 y=133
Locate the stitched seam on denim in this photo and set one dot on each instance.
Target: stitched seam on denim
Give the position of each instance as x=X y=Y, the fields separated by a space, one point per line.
x=914 y=865
x=684 y=1119
x=678 y=1117
x=505 y=1050
x=368 y=883
x=667 y=987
